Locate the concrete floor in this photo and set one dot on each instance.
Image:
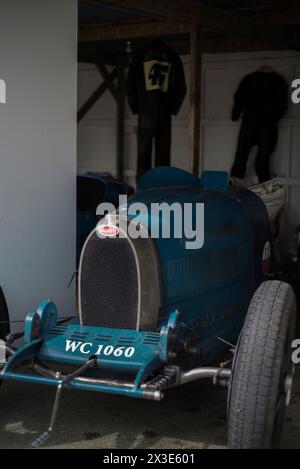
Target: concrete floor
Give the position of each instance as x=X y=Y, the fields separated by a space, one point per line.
x=193 y=416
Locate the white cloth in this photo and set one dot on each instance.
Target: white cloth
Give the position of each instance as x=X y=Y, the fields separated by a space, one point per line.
x=273 y=193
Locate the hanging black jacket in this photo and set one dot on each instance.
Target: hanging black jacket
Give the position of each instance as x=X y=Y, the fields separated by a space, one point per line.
x=262 y=97
x=156 y=81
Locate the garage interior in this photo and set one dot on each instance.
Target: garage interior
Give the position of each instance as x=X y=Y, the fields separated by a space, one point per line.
x=219 y=43
x=231 y=40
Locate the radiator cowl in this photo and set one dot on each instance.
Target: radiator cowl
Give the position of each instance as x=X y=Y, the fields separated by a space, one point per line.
x=119 y=283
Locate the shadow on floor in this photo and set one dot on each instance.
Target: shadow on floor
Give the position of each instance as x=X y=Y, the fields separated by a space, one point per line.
x=192 y=416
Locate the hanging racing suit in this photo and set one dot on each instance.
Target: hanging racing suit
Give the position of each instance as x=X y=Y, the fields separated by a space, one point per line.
x=263 y=99
x=156 y=89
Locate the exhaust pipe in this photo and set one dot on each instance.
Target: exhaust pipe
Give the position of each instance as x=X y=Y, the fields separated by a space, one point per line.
x=149 y=392
x=205 y=373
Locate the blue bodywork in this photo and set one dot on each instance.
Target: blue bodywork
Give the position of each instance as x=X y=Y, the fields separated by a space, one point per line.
x=204 y=294
x=211 y=286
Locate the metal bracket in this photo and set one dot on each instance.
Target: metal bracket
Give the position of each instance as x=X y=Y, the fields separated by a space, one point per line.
x=61 y=382
x=217 y=376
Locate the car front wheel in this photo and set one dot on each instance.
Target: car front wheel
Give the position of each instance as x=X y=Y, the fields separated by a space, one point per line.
x=262 y=375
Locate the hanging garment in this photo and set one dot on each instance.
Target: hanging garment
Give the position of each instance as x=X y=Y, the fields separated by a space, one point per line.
x=262 y=97
x=158 y=129
x=156 y=89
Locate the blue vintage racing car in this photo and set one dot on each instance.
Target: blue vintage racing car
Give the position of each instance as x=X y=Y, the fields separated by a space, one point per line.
x=154 y=314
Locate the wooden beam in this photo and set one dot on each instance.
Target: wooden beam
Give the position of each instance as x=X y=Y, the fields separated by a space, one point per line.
x=188 y=11
x=120 y=122
x=214 y=19
x=116 y=56
x=94 y=97
x=133 y=30
x=108 y=80
x=239 y=45
x=114 y=53
x=195 y=99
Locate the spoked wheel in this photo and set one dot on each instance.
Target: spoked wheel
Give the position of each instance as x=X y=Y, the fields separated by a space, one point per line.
x=262 y=375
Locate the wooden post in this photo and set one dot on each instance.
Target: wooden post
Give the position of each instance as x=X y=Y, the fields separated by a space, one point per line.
x=120 y=122
x=195 y=99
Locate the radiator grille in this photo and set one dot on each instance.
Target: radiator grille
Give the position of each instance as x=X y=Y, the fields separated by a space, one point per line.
x=109 y=284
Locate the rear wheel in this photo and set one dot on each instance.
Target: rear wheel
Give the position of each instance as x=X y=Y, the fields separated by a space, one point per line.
x=263 y=371
x=4 y=319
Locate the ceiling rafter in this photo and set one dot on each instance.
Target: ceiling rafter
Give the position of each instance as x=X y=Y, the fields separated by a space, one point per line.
x=207 y=17
x=186 y=11
x=133 y=30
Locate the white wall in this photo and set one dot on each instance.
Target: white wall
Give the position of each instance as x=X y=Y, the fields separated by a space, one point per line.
x=38 y=61
x=221 y=76
x=97 y=132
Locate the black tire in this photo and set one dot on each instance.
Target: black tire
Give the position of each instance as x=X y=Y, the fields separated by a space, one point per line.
x=4 y=318
x=263 y=371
